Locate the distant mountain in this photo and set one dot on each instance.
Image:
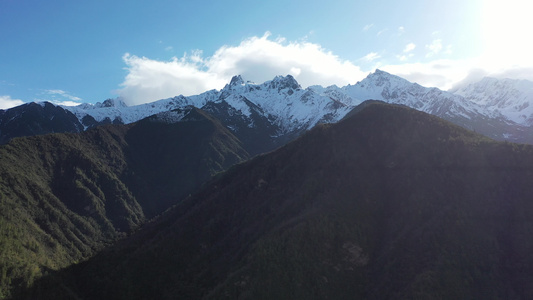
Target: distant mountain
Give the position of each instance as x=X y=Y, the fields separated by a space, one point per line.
x=509 y=97
x=63 y=197
x=34 y=119
x=266 y=116
x=269 y=115
x=389 y=203
x=495 y=108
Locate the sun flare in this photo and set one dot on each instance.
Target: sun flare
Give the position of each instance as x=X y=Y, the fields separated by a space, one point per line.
x=507 y=27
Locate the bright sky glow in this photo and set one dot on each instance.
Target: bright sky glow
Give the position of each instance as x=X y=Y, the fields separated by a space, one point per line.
x=507 y=37
x=70 y=51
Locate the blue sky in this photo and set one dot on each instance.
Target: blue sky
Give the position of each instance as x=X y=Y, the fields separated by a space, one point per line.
x=88 y=51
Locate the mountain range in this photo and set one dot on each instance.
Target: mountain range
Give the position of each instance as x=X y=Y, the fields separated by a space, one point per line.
x=267 y=115
x=388 y=203
x=262 y=191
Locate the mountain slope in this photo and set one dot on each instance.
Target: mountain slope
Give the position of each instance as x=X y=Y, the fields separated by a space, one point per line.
x=512 y=98
x=390 y=203
x=35 y=119
x=66 y=196
x=167 y=160
x=61 y=202
x=462 y=111
x=263 y=116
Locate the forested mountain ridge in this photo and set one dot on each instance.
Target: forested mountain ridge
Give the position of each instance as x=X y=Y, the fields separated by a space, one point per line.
x=66 y=196
x=389 y=203
x=36 y=118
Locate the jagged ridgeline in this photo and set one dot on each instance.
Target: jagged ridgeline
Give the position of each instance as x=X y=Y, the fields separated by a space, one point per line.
x=266 y=116
x=389 y=203
x=63 y=197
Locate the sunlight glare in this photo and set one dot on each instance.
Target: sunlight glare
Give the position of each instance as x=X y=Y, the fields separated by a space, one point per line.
x=507 y=29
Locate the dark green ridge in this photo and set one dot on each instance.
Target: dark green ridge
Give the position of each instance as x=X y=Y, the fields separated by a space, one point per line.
x=64 y=197
x=35 y=119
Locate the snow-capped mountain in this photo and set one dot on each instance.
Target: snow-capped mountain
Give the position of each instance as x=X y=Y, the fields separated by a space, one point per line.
x=383 y=86
x=271 y=113
x=116 y=111
x=509 y=97
x=282 y=100
x=267 y=114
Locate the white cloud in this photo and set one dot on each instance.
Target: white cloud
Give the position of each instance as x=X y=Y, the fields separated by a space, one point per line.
x=450 y=74
x=442 y=73
x=58 y=97
x=64 y=103
x=6 y=102
x=4 y=82
x=150 y=80
x=371 y=56
x=405 y=56
x=434 y=48
x=296 y=71
x=448 y=49
x=257 y=59
x=409 y=47
x=517 y=72
x=367 y=27
x=473 y=75
x=62 y=94
x=382 y=31
x=260 y=59
x=401 y=30
x=479 y=71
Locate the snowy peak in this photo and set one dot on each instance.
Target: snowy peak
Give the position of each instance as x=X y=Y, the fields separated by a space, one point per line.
x=236 y=80
x=287 y=82
x=509 y=97
x=383 y=79
x=287 y=108
x=236 y=85
x=117 y=102
x=497 y=92
x=283 y=101
x=383 y=86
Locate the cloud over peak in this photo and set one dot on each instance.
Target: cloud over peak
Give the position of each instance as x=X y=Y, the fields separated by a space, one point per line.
x=257 y=59
x=63 y=94
x=7 y=102
x=261 y=58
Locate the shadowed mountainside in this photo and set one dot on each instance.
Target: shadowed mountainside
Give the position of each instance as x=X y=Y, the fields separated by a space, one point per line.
x=63 y=197
x=390 y=203
x=35 y=119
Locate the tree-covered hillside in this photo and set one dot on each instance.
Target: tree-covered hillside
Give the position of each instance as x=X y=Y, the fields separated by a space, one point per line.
x=389 y=203
x=63 y=197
